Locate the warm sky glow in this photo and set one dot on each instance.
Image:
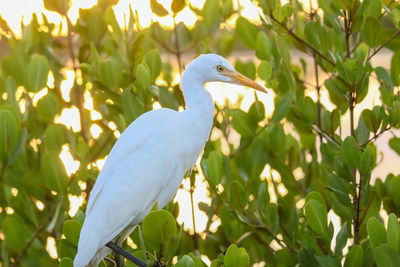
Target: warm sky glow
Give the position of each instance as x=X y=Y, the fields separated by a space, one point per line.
x=15 y=11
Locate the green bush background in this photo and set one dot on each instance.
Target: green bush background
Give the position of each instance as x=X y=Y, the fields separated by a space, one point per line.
x=259 y=221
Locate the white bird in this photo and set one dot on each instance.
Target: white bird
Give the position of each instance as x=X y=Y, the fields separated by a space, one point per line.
x=148 y=161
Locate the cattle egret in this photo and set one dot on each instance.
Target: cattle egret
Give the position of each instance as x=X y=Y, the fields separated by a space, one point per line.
x=147 y=163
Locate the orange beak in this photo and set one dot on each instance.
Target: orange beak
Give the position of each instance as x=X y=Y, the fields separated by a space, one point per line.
x=239 y=78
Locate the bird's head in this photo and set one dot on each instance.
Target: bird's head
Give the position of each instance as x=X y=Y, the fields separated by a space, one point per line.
x=214 y=68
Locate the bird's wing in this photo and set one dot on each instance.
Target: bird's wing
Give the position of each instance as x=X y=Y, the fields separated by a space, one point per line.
x=133 y=138
x=126 y=198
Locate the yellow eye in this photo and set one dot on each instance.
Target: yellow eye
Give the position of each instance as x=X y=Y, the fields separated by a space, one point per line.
x=220 y=68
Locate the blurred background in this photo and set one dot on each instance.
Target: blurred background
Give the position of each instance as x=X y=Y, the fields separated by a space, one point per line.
x=82 y=70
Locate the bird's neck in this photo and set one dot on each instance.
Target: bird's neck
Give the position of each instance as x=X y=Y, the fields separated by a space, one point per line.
x=195 y=95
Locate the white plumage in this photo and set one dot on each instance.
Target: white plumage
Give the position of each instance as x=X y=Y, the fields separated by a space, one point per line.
x=147 y=163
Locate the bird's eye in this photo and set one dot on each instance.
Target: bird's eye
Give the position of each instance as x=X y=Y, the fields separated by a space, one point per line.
x=220 y=68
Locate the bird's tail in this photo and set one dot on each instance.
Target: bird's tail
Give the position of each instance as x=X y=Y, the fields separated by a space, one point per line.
x=88 y=247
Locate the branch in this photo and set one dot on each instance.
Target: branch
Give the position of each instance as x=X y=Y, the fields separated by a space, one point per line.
x=376 y=136
x=384 y=44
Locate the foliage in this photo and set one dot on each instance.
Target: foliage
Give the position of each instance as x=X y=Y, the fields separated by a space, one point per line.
x=272 y=191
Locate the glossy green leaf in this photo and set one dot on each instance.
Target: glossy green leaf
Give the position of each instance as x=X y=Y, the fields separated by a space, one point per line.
x=393 y=232
x=71 y=230
x=316 y=216
x=158 y=8
x=247 y=32
x=177 y=6
x=143 y=75
x=37 y=73
x=395 y=186
x=153 y=61
x=350 y=152
x=370 y=120
x=66 y=262
x=53 y=172
x=159 y=226
x=185 y=261
x=9 y=130
x=214 y=168
x=371 y=32
x=355 y=257
x=385 y=256
x=15 y=232
x=236 y=257
x=226 y=43
x=395 y=68
x=376 y=232
x=282 y=107
x=210 y=13
x=54 y=137
x=264 y=46
x=264 y=70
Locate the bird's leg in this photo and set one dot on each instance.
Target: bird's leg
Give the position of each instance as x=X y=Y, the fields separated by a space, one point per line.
x=111 y=260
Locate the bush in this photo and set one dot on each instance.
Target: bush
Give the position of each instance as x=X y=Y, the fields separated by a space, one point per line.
x=272 y=193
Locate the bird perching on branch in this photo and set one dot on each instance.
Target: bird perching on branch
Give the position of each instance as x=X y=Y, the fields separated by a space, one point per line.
x=147 y=163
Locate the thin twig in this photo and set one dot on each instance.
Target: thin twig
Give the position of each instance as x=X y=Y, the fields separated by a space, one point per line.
x=384 y=44
x=376 y=136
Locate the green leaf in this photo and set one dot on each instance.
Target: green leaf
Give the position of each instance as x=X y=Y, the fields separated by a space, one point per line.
x=54 y=137
x=15 y=232
x=370 y=120
x=9 y=131
x=66 y=262
x=371 y=32
x=177 y=6
x=185 y=261
x=48 y=106
x=355 y=257
x=60 y=6
x=53 y=172
x=308 y=107
x=65 y=249
x=326 y=261
x=246 y=68
x=131 y=106
x=351 y=152
x=241 y=123
x=153 y=61
x=210 y=13
x=264 y=46
x=247 y=32
x=71 y=230
x=393 y=232
x=159 y=226
x=111 y=73
x=316 y=216
x=15 y=66
x=282 y=107
x=158 y=9
x=376 y=232
x=213 y=167
x=395 y=68
x=341 y=239
x=144 y=76
x=264 y=70
x=395 y=186
x=37 y=73
x=385 y=256
x=367 y=161
x=226 y=42
x=236 y=257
